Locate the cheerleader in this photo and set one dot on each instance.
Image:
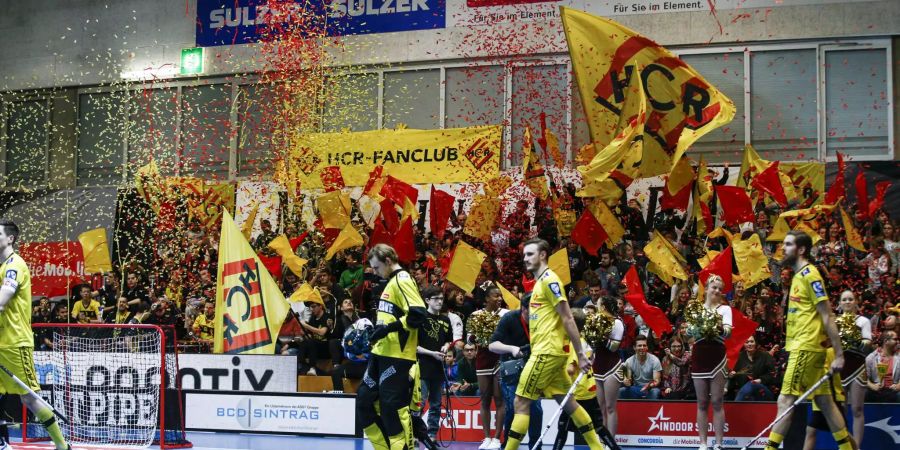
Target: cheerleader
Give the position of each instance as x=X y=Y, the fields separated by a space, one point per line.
x=607 y=366
x=854 y=364
x=486 y=367
x=708 y=367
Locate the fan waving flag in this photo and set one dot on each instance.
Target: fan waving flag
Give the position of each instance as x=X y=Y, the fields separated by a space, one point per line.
x=654 y=317
x=681 y=105
x=250 y=307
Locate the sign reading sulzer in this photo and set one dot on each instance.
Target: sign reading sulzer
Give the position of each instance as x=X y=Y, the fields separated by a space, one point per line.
x=234 y=22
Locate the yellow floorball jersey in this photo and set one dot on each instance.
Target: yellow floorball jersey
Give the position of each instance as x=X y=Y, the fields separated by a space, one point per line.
x=91 y=311
x=205 y=326
x=805 y=330
x=15 y=320
x=548 y=337
x=400 y=294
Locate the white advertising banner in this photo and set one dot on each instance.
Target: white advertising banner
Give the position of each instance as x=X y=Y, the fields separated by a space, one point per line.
x=232 y=373
x=294 y=414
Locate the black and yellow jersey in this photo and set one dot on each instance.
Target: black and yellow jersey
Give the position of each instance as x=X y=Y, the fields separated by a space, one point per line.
x=400 y=301
x=805 y=330
x=15 y=320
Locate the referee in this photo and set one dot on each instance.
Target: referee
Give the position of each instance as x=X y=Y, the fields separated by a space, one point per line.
x=401 y=312
x=809 y=327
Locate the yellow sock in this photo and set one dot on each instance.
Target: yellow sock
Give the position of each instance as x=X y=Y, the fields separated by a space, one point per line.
x=45 y=416
x=376 y=437
x=843 y=439
x=583 y=422
x=774 y=441
x=517 y=431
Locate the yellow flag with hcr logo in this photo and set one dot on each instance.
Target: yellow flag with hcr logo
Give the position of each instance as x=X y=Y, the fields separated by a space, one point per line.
x=250 y=307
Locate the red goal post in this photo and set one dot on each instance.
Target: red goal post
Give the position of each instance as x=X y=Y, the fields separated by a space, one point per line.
x=117 y=384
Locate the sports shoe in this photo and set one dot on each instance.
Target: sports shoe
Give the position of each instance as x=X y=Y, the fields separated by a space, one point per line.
x=495 y=444
x=702 y=447
x=717 y=447
x=485 y=444
x=5 y=445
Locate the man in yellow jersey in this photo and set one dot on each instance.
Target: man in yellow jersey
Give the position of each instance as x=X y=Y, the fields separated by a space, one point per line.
x=16 y=337
x=809 y=328
x=553 y=332
x=401 y=312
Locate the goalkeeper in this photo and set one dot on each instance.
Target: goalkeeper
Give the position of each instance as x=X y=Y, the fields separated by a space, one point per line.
x=16 y=337
x=401 y=312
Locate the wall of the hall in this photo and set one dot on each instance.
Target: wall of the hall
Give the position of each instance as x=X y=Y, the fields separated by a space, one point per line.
x=78 y=43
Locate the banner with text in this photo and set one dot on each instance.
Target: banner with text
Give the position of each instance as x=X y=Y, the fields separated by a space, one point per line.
x=456 y=155
x=233 y=22
x=55 y=266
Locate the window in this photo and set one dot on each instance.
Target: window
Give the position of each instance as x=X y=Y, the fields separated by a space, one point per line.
x=725 y=71
x=475 y=96
x=27 y=141
x=101 y=138
x=206 y=130
x=351 y=102
x=538 y=89
x=857 y=103
x=783 y=102
x=254 y=144
x=412 y=98
x=153 y=129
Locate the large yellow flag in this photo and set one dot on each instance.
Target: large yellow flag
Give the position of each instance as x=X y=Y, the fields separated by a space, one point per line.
x=282 y=246
x=665 y=257
x=801 y=181
x=465 y=266
x=96 y=251
x=559 y=264
x=752 y=263
x=348 y=238
x=250 y=307
x=681 y=105
x=853 y=237
x=306 y=293
x=512 y=302
x=621 y=157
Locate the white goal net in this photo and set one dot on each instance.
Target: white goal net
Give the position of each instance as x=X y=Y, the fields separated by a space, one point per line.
x=107 y=382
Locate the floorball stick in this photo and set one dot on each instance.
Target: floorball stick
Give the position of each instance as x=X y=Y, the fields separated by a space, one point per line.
x=809 y=392
x=30 y=391
x=559 y=411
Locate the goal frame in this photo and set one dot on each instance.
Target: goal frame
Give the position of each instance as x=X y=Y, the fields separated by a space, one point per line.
x=163 y=373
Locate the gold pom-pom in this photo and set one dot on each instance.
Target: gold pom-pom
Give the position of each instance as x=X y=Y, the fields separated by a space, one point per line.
x=851 y=335
x=482 y=326
x=597 y=327
x=702 y=323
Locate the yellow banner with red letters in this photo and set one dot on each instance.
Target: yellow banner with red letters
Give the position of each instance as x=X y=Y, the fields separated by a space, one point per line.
x=454 y=155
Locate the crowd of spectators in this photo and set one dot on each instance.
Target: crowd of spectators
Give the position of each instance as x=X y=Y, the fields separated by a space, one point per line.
x=182 y=294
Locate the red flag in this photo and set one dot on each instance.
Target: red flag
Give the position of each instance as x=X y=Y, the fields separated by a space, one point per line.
x=588 y=233
x=862 y=194
x=769 y=182
x=397 y=191
x=741 y=331
x=837 y=190
x=295 y=242
x=880 y=190
x=707 y=216
x=527 y=285
x=391 y=221
x=654 y=317
x=374 y=175
x=404 y=242
x=721 y=266
x=439 y=214
x=379 y=235
x=332 y=179
x=273 y=265
x=736 y=206
x=678 y=201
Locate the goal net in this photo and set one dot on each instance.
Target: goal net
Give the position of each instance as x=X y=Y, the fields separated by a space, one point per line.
x=110 y=383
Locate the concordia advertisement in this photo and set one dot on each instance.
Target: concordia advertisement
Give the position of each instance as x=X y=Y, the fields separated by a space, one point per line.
x=225 y=373
x=288 y=414
x=233 y=22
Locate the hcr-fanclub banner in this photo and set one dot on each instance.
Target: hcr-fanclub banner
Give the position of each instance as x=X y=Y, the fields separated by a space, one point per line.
x=455 y=155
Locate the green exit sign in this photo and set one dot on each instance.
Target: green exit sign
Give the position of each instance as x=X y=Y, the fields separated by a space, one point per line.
x=192 y=61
